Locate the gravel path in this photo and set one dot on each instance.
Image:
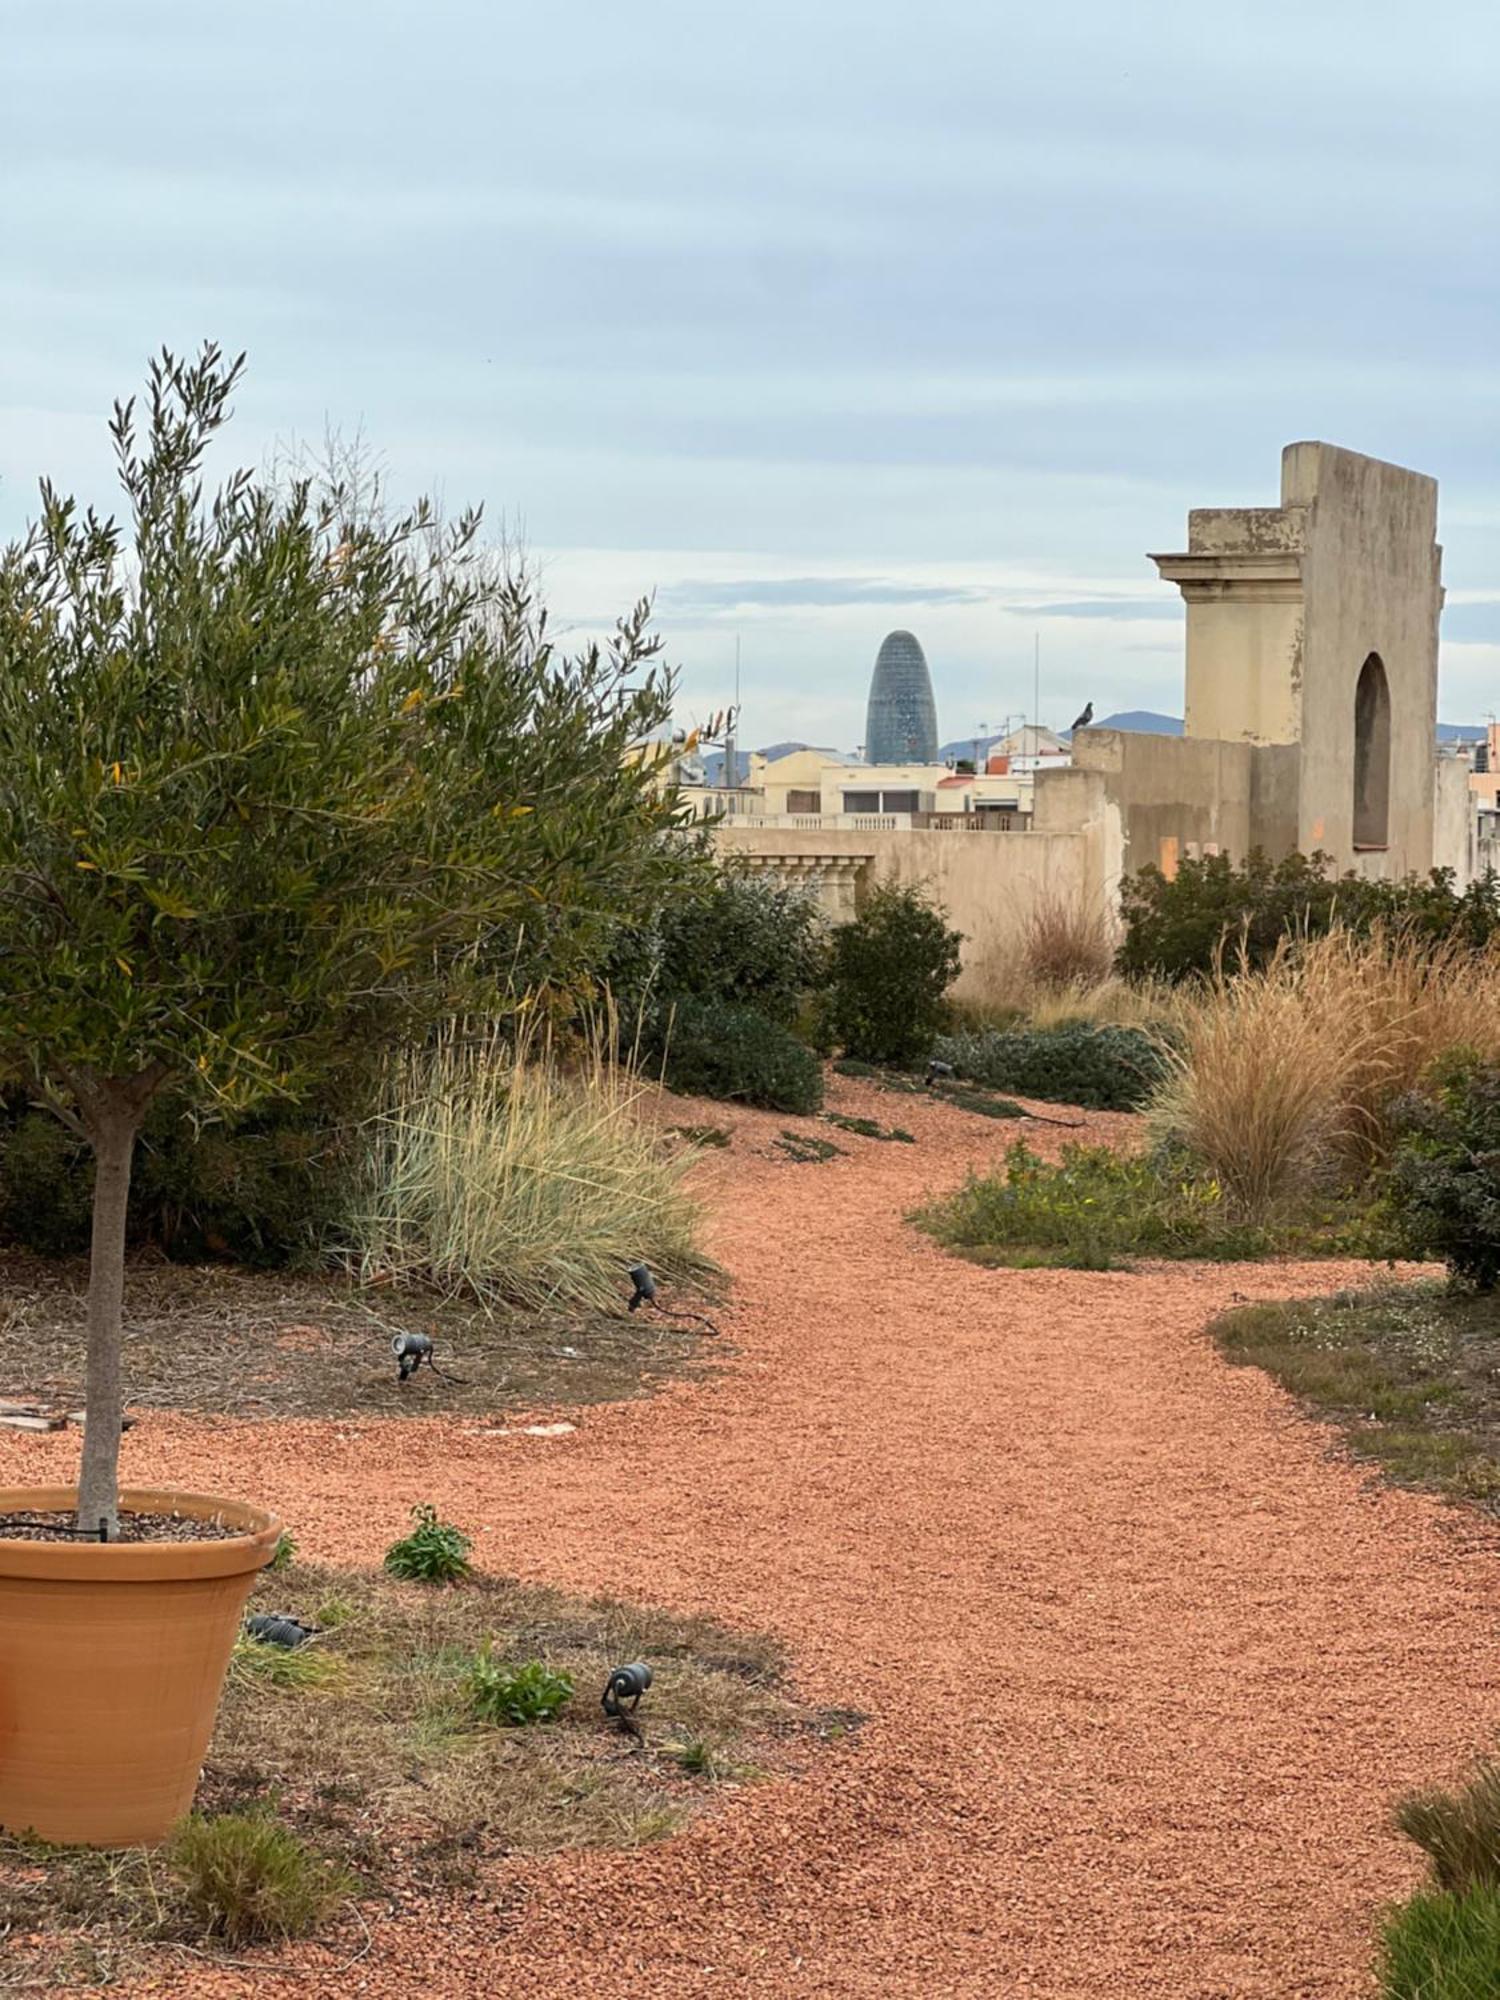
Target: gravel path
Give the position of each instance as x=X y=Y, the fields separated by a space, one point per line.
x=1144 y=1663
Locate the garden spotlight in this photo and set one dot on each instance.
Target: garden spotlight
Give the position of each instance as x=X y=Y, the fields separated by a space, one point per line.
x=645 y=1286
x=623 y=1690
x=411 y=1350
x=274 y=1631
x=936 y=1069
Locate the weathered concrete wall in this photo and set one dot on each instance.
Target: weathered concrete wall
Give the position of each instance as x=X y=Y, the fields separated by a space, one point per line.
x=1285 y=605
x=1172 y=793
x=987 y=882
x=1275 y=797
x=1371 y=584
x=1454 y=822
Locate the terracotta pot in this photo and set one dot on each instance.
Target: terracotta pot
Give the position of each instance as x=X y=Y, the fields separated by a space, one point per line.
x=112 y=1656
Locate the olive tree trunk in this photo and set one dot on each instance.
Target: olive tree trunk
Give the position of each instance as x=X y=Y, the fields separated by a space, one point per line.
x=112 y=1123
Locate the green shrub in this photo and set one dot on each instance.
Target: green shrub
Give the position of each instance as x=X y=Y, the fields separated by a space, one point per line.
x=1103 y=1069
x=263 y=1189
x=1441 y=1947
x=1445 y=1181
x=246 y=1878
x=1458 y=1831
x=708 y=1048
x=746 y=940
x=889 y=970
x=1179 y=926
x=511 y=1696
x=1087 y=1212
x=46 y=1184
x=286 y=1552
x=434 y=1551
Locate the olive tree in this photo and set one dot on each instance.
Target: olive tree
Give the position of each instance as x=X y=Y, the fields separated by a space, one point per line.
x=278 y=783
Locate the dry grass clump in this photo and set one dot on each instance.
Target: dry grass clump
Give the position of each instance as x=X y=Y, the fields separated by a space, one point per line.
x=1289 y=1074
x=245 y=1878
x=1396 y=1004
x=1252 y=1086
x=497 y=1169
x=1065 y=943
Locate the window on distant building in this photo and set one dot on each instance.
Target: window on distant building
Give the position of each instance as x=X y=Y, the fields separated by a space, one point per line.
x=861 y=802
x=804 y=802
x=898 y=802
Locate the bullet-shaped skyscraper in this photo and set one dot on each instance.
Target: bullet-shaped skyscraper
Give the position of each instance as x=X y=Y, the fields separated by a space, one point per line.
x=901 y=721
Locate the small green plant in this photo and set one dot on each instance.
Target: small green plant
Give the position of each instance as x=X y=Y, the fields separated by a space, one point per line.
x=807 y=1149
x=702 y=1135
x=889 y=970
x=434 y=1551
x=868 y=1128
x=286 y=1551
x=702 y=1758
x=246 y=1878
x=514 y=1697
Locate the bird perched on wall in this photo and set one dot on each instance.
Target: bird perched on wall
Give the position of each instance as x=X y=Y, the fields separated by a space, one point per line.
x=1085 y=719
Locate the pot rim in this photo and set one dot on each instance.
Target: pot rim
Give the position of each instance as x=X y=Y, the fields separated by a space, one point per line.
x=146 y=1562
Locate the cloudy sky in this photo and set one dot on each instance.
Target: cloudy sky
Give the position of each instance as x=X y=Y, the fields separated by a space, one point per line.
x=813 y=319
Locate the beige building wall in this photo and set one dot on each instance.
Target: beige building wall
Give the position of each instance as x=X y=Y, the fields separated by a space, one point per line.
x=987 y=882
x=1285 y=606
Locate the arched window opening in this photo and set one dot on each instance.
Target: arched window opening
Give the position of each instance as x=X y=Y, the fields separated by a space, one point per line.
x=1372 y=756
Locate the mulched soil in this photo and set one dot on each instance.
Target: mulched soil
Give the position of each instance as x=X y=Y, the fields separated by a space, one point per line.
x=221 y=1341
x=1146 y=1658
x=44 y=1527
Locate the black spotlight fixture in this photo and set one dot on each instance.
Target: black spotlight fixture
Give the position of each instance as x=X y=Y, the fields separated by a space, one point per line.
x=411 y=1350
x=935 y=1069
x=645 y=1286
x=622 y=1692
x=275 y=1631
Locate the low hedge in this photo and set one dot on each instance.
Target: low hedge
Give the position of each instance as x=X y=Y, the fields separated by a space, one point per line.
x=1101 y=1069
x=711 y=1048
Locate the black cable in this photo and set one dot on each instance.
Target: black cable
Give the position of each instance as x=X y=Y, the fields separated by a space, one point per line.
x=697 y=1318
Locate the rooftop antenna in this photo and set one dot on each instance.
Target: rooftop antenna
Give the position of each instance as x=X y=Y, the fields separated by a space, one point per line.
x=1036 y=695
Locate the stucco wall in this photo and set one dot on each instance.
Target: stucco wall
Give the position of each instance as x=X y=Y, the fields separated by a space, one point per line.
x=1454 y=829
x=1172 y=792
x=1371 y=571
x=987 y=882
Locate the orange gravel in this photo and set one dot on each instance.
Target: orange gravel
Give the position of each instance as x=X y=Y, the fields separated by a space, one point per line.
x=1145 y=1662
